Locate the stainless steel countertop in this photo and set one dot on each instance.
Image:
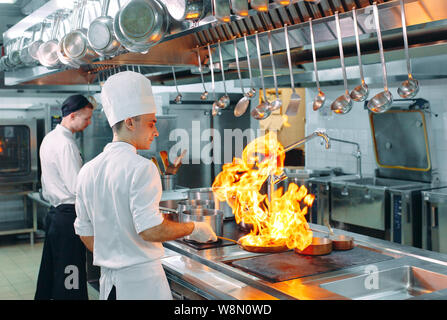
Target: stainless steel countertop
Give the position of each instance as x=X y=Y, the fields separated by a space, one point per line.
x=228 y=279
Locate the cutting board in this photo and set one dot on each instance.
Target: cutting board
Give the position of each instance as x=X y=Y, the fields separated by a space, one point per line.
x=290 y=265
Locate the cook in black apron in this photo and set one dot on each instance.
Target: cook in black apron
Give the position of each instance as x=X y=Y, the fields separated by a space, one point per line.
x=62 y=273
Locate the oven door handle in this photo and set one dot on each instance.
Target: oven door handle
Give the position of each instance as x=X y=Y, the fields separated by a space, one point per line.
x=408 y=212
x=434 y=217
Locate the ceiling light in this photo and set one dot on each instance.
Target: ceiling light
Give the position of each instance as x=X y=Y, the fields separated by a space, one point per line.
x=8 y=1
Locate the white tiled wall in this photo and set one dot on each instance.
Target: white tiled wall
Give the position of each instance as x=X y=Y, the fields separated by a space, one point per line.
x=355 y=126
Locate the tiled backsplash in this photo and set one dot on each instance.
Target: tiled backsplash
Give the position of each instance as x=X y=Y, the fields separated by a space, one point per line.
x=354 y=126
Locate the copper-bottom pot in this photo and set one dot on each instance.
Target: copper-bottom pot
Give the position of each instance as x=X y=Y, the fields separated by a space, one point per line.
x=318 y=247
x=342 y=242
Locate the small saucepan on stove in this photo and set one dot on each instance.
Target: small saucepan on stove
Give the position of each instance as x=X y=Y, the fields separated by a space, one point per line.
x=339 y=242
x=319 y=246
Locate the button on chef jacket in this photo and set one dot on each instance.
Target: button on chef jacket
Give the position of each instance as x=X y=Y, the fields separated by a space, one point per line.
x=61 y=162
x=118 y=195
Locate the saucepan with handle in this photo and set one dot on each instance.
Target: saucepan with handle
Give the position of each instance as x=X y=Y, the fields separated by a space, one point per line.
x=140 y=24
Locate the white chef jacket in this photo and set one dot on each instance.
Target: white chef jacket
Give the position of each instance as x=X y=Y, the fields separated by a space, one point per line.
x=60 y=162
x=118 y=194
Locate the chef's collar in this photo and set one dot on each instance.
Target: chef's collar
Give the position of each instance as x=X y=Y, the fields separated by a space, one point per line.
x=120 y=144
x=65 y=131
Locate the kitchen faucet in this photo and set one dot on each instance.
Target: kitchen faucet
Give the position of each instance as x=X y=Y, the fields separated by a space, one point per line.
x=357 y=154
x=272 y=179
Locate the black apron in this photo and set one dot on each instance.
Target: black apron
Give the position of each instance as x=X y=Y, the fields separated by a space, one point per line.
x=62 y=274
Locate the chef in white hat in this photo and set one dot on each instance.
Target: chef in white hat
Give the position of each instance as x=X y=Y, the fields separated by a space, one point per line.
x=118 y=194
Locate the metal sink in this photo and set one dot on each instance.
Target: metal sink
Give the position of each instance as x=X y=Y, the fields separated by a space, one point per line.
x=393 y=284
x=381 y=182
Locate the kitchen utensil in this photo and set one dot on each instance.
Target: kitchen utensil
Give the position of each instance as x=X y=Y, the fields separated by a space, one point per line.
x=47 y=53
x=204 y=95
x=211 y=216
x=76 y=44
x=25 y=56
x=215 y=108
x=63 y=58
x=178 y=160
x=339 y=242
x=178 y=98
x=227 y=239
x=263 y=110
x=382 y=101
x=168 y=181
x=225 y=99
x=318 y=247
x=260 y=5
x=14 y=54
x=410 y=87
x=342 y=104
x=321 y=97
x=182 y=10
x=361 y=92
x=154 y=160
x=34 y=46
x=277 y=103
x=244 y=102
x=169 y=213
x=240 y=7
x=251 y=92
x=140 y=24
x=295 y=99
x=164 y=159
x=221 y=10
x=101 y=35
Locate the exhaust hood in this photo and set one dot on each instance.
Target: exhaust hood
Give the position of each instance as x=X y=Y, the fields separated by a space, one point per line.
x=427 y=32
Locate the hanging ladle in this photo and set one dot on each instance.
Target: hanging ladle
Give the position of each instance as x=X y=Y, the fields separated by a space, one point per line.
x=215 y=107
x=251 y=92
x=361 y=92
x=321 y=97
x=243 y=103
x=383 y=100
x=263 y=110
x=295 y=99
x=177 y=99
x=277 y=103
x=225 y=99
x=410 y=87
x=204 y=95
x=342 y=104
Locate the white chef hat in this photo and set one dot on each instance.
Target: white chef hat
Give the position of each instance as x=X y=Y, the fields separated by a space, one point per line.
x=127 y=94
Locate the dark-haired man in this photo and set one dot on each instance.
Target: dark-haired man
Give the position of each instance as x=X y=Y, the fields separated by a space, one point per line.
x=62 y=273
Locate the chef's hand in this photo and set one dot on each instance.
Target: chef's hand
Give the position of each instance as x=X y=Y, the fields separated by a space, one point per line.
x=202 y=232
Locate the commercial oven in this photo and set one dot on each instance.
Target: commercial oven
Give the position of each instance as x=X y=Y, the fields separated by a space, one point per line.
x=18 y=151
x=434 y=220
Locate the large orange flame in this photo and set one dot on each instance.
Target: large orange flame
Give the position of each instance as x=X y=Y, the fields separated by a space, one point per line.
x=276 y=222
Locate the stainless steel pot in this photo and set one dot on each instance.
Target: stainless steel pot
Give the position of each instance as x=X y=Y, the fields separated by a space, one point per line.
x=34 y=46
x=60 y=52
x=25 y=55
x=207 y=194
x=181 y=10
x=14 y=54
x=189 y=204
x=76 y=45
x=47 y=53
x=101 y=36
x=140 y=24
x=211 y=216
